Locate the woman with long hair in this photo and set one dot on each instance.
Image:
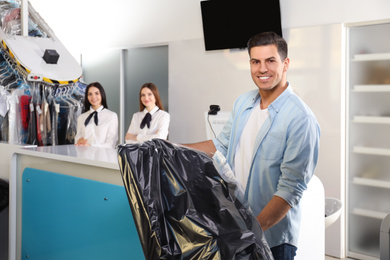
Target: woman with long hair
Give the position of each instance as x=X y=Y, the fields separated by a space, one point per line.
x=151 y=121
x=97 y=126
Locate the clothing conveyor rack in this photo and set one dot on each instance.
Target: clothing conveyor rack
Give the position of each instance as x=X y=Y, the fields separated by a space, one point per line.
x=28 y=52
x=40 y=95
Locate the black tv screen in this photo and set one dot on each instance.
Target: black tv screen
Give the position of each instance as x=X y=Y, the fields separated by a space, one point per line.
x=230 y=24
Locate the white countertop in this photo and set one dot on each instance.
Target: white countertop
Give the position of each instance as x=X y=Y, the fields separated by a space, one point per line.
x=96 y=156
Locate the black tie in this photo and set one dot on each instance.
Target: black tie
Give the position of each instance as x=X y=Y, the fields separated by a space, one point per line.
x=146 y=120
x=90 y=116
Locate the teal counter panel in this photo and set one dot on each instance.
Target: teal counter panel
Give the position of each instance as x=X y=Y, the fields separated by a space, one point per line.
x=66 y=217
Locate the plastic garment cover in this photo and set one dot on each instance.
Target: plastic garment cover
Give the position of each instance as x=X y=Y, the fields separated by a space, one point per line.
x=183 y=208
x=32 y=127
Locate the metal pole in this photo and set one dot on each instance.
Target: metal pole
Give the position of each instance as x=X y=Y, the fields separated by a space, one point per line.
x=122 y=97
x=24 y=19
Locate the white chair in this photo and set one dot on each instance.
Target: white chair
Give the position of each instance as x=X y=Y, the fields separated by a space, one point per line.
x=311 y=244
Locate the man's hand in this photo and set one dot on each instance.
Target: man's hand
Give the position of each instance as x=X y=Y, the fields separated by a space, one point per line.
x=273 y=212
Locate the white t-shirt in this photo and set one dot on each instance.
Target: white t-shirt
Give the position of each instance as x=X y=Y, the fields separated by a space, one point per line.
x=105 y=134
x=244 y=151
x=158 y=125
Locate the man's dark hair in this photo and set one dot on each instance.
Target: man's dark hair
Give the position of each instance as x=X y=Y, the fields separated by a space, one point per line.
x=269 y=38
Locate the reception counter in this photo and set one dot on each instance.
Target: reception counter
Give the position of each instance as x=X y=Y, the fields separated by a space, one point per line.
x=68 y=202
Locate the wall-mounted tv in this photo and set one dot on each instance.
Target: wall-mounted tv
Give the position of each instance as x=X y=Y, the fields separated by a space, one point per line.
x=229 y=24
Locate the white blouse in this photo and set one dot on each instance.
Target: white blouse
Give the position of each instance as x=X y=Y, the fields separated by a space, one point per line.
x=158 y=126
x=105 y=134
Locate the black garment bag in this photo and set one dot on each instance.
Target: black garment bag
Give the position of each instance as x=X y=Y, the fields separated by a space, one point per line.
x=183 y=208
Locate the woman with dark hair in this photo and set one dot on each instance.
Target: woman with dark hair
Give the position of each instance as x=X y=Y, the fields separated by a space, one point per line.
x=151 y=121
x=97 y=126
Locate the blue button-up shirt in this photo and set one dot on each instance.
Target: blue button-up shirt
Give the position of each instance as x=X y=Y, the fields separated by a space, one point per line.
x=283 y=160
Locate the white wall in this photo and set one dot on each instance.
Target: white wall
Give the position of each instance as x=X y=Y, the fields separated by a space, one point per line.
x=82 y=24
x=198 y=78
x=92 y=24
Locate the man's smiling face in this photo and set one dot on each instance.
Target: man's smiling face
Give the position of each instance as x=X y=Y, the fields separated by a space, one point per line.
x=267 y=69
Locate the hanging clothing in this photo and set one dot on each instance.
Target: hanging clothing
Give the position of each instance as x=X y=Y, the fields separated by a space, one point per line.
x=4 y=128
x=67 y=118
x=38 y=113
x=4 y=113
x=24 y=116
x=45 y=121
x=29 y=112
x=14 y=120
x=32 y=127
x=71 y=127
x=55 y=109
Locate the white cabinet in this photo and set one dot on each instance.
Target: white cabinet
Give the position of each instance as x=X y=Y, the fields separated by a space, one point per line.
x=368 y=136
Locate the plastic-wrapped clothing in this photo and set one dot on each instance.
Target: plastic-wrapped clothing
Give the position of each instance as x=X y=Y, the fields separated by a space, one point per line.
x=4 y=128
x=45 y=121
x=32 y=127
x=38 y=115
x=53 y=110
x=14 y=121
x=25 y=115
x=183 y=208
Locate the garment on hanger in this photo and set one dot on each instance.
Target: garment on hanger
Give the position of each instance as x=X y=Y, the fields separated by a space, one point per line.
x=54 y=108
x=4 y=128
x=49 y=116
x=14 y=120
x=38 y=112
x=32 y=126
x=3 y=101
x=70 y=109
x=11 y=21
x=25 y=116
x=63 y=118
x=45 y=119
x=33 y=112
x=4 y=108
x=16 y=131
x=70 y=126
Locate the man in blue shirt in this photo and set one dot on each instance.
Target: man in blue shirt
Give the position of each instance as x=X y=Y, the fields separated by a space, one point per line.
x=271 y=142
